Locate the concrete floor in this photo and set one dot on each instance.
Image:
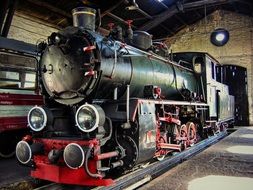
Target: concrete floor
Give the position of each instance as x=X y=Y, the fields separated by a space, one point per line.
x=227 y=165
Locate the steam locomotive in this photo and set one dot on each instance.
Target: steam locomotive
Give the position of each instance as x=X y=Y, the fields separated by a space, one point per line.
x=114 y=103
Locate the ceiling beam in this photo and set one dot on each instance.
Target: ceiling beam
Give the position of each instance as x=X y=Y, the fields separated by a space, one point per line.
x=150 y=17
x=234 y=7
x=174 y=9
x=111 y=8
x=103 y=31
x=168 y=30
x=181 y=20
x=164 y=6
x=178 y=17
x=119 y=19
x=197 y=4
x=144 y=13
x=61 y=12
x=51 y=8
x=247 y=3
x=160 y=18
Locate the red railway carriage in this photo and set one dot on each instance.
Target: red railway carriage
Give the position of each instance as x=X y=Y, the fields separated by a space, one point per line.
x=18 y=91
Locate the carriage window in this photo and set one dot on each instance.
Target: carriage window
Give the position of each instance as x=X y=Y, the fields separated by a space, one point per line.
x=30 y=80
x=17 y=71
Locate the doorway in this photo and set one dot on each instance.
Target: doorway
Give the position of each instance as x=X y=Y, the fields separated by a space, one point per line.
x=236 y=78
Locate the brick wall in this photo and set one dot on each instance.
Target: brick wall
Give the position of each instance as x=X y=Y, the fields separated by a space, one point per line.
x=29 y=29
x=238 y=50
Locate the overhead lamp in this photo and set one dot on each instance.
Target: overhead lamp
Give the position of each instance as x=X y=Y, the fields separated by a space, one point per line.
x=132 y=5
x=219 y=37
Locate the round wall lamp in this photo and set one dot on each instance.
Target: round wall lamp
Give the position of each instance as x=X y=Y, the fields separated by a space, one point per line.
x=219 y=37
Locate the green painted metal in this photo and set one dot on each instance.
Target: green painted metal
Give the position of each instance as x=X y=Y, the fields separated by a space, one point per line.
x=170 y=78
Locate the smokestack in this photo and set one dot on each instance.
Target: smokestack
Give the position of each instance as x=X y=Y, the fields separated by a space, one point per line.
x=84 y=17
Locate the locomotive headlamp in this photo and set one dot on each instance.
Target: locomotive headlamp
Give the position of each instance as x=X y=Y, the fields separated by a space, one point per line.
x=23 y=152
x=219 y=37
x=74 y=155
x=89 y=117
x=37 y=118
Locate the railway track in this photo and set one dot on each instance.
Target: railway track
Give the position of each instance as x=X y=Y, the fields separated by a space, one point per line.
x=144 y=175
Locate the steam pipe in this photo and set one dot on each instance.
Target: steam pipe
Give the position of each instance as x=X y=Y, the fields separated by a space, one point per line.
x=115 y=93
x=127 y=124
x=95 y=175
x=116 y=164
x=106 y=155
x=105 y=139
x=127 y=102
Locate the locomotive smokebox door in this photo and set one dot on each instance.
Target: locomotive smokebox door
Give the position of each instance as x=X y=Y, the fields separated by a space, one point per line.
x=147 y=132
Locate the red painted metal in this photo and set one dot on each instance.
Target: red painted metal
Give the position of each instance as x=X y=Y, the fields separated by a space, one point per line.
x=162 y=146
x=188 y=134
x=12 y=123
x=192 y=133
x=170 y=120
x=27 y=138
x=106 y=155
x=158 y=91
x=59 y=172
x=65 y=175
x=184 y=135
x=110 y=25
x=129 y=23
x=171 y=146
x=90 y=73
x=20 y=99
x=89 y=48
x=160 y=139
x=18 y=118
x=50 y=144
